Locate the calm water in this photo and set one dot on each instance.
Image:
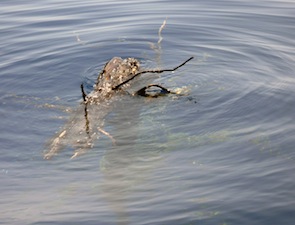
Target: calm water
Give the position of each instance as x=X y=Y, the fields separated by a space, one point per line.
x=223 y=154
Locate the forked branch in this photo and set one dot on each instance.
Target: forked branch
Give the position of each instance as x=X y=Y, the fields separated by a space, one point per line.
x=151 y=71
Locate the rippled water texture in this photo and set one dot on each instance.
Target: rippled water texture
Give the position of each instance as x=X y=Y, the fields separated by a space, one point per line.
x=222 y=154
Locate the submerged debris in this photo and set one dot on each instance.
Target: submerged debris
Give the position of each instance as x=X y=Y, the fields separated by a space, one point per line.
x=86 y=126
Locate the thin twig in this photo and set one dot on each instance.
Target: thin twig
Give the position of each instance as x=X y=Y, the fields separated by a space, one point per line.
x=160 y=31
x=151 y=71
x=78 y=38
x=83 y=93
x=87 y=128
x=106 y=134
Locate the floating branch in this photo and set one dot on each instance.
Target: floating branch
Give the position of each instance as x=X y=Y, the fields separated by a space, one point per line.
x=151 y=71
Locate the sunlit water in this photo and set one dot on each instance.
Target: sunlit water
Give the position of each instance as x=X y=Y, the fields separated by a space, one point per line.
x=223 y=154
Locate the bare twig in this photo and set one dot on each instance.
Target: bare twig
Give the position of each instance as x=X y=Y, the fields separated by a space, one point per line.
x=106 y=134
x=160 y=31
x=151 y=71
x=83 y=93
x=87 y=129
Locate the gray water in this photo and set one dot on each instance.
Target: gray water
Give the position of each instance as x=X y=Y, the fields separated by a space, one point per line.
x=222 y=154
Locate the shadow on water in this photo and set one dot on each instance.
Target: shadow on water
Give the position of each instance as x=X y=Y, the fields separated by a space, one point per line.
x=128 y=163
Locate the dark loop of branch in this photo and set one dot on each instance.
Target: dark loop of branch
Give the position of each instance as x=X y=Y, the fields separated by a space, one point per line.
x=151 y=71
x=142 y=92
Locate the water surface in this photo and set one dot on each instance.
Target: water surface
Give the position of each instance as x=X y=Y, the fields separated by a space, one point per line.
x=223 y=154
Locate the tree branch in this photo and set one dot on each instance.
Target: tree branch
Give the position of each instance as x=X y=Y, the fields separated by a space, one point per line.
x=151 y=71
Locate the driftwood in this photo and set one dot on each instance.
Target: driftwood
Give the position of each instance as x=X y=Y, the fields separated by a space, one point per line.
x=116 y=76
x=141 y=92
x=86 y=124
